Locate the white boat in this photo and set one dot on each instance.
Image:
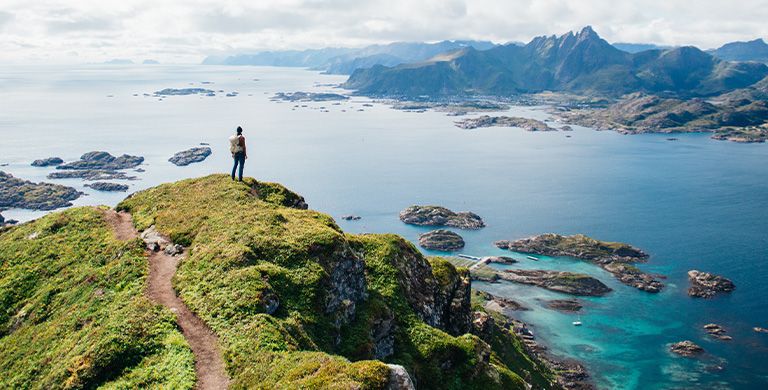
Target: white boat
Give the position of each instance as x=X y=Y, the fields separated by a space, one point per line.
x=533 y=258
x=576 y=323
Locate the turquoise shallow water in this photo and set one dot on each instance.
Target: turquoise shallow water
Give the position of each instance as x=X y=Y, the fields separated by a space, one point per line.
x=693 y=203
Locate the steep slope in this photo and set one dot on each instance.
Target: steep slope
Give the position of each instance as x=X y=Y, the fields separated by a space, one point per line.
x=755 y=50
x=74 y=314
x=298 y=303
x=582 y=62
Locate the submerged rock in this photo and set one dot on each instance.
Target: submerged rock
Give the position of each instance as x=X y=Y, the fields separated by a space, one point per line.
x=108 y=187
x=103 y=161
x=686 y=348
x=440 y=216
x=707 y=285
x=308 y=97
x=351 y=217
x=614 y=257
x=19 y=193
x=441 y=240
x=47 y=162
x=566 y=305
x=190 y=156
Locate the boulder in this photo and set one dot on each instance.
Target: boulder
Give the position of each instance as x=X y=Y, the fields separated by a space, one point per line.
x=686 y=348
x=440 y=216
x=441 y=240
x=153 y=239
x=707 y=285
x=399 y=378
x=190 y=156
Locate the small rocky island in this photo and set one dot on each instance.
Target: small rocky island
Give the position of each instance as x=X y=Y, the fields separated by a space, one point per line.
x=707 y=285
x=441 y=240
x=47 y=162
x=350 y=217
x=189 y=156
x=92 y=175
x=560 y=281
x=504 y=121
x=718 y=332
x=614 y=257
x=308 y=97
x=19 y=193
x=565 y=305
x=184 y=92
x=103 y=161
x=440 y=216
x=107 y=187
x=686 y=348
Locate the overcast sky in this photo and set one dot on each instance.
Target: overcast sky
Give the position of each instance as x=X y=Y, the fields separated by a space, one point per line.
x=182 y=31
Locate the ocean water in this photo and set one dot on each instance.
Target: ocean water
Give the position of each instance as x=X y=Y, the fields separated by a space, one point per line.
x=694 y=203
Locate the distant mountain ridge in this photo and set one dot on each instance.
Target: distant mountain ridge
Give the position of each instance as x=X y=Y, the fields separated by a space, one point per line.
x=638 y=47
x=574 y=62
x=346 y=60
x=755 y=50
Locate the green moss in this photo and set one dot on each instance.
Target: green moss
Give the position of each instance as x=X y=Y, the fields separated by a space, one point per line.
x=73 y=311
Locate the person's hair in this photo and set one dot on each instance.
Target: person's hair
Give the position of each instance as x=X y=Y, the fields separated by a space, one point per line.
x=239 y=130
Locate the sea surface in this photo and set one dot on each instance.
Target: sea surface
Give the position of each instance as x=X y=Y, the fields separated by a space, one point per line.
x=694 y=203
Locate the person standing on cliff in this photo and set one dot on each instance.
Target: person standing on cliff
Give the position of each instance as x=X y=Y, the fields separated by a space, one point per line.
x=239 y=152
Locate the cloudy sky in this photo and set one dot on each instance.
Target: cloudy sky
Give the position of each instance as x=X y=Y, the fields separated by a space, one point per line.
x=184 y=31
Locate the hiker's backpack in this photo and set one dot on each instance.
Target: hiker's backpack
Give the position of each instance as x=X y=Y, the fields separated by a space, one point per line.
x=234 y=144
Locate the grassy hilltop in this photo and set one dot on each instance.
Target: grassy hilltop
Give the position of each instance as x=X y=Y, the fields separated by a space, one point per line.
x=296 y=302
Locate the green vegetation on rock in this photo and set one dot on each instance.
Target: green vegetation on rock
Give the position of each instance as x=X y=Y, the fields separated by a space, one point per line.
x=74 y=314
x=298 y=303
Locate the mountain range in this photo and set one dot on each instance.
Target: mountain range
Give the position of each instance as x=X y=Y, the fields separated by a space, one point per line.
x=574 y=62
x=346 y=60
x=755 y=50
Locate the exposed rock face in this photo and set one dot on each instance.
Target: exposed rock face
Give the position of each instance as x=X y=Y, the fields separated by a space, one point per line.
x=441 y=301
x=686 y=348
x=382 y=335
x=18 y=193
x=47 y=162
x=565 y=282
x=110 y=187
x=92 y=175
x=441 y=240
x=347 y=284
x=440 y=216
x=614 y=257
x=190 y=156
x=103 y=161
x=717 y=332
x=2 y=220
x=503 y=121
x=566 y=305
x=707 y=285
x=399 y=378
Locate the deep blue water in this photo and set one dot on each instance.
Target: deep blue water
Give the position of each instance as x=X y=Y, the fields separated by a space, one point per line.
x=694 y=203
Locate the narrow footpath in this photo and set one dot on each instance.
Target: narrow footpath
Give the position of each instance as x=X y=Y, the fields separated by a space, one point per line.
x=209 y=365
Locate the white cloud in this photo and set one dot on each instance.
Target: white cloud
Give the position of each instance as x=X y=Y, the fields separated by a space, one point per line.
x=187 y=30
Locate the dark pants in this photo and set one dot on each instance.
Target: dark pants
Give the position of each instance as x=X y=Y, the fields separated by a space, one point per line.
x=239 y=160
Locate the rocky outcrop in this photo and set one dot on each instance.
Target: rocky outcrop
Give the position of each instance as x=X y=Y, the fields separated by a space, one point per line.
x=351 y=217
x=108 y=187
x=686 y=348
x=760 y=329
x=19 y=193
x=347 y=284
x=565 y=305
x=103 y=161
x=503 y=121
x=441 y=240
x=92 y=175
x=707 y=285
x=440 y=216
x=498 y=260
x=502 y=305
x=308 y=97
x=47 y=162
x=718 y=332
x=564 y=282
x=190 y=156
x=616 y=258
x=399 y=378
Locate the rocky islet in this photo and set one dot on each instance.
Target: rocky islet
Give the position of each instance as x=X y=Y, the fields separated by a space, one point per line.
x=440 y=216
x=189 y=156
x=441 y=240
